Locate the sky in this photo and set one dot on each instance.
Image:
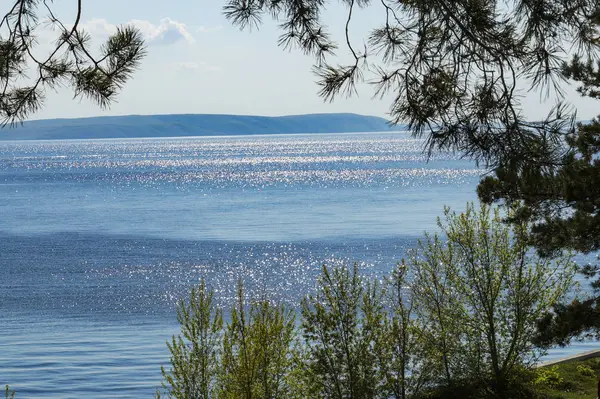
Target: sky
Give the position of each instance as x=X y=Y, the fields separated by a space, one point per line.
x=198 y=62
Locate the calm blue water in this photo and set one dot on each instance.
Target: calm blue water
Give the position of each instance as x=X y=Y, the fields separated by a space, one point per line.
x=99 y=238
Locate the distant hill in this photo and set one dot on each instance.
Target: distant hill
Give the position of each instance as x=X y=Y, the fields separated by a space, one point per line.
x=192 y=125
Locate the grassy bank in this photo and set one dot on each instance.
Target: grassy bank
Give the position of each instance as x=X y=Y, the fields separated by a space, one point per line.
x=572 y=380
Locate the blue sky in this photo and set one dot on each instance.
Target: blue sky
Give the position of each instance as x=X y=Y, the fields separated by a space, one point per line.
x=198 y=63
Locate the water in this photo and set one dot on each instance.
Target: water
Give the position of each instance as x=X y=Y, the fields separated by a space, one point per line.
x=99 y=238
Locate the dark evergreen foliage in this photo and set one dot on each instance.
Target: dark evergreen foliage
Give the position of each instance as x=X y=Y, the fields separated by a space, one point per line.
x=453 y=66
x=562 y=198
x=26 y=74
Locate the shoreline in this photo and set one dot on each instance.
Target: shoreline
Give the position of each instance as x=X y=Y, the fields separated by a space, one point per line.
x=572 y=358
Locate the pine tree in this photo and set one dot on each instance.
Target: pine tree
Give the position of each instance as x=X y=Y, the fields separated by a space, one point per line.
x=455 y=68
x=562 y=199
x=26 y=73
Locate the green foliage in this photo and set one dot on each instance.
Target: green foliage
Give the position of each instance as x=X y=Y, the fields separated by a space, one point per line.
x=548 y=376
x=25 y=76
x=257 y=346
x=587 y=72
x=585 y=370
x=455 y=69
x=342 y=329
x=195 y=352
x=404 y=363
x=562 y=202
x=576 y=383
x=361 y=339
x=250 y=357
x=561 y=199
x=479 y=294
x=457 y=318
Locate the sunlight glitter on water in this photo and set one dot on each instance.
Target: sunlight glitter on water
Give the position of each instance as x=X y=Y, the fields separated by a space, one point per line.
x=98 y=239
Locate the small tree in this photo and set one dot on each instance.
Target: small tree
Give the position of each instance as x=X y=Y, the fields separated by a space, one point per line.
x=257 y=357
x=479 y=294
x=342 y=327
x=402 y=361
x=562 y=202
x=195 y=352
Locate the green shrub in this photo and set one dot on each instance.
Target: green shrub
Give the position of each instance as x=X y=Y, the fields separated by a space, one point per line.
x=478 y=292
x=250 y=357
x=342 y=324
x=195 y=352
x=594 y=364
x=549 y=376
x=455 y=320
x=585 y=371
x=404 y=363
x=257 y=351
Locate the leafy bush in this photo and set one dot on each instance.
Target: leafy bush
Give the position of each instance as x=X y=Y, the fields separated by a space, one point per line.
x=549 y=376
x=478 y=293
x=249 y=357
x=585 y=371
x=256 y=359
x=195 y=353
x=594 y=364
x=457 y=318
x=342 y=327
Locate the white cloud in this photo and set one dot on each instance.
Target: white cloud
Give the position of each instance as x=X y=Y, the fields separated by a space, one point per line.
x=98 y=26
x=167 y=32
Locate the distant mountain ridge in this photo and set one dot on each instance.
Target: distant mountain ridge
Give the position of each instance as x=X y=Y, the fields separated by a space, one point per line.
x=186 y=125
